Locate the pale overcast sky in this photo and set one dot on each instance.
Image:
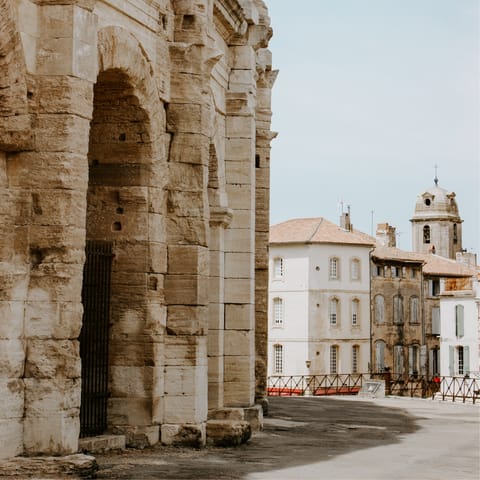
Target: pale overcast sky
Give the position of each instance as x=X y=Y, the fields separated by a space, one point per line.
x=371 y=95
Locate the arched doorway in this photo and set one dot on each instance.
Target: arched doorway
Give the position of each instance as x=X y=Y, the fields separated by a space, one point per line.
x=115 y=348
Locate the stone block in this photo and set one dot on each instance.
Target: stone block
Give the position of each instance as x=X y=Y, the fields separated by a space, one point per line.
x=239 y=240
x=254 y=416
x=239 y=172
x=125 y=411
x=187 y=259
x=243 y=57
x=239 y=149
x=180 y=381
x=11 y=437
x=185 y=435
x=12 y=358
x=51 y=435
x=188 y=118
x=132 y=382
x=12 y=315
x=239 y=317
x=185 y=350
x=240 y=196
x=185 y=409
x=238 y=368
x=12 y=399
x=240 y=127
x=139 y=437
x=48 y=359
x=225 y=433
x=186 y=320
x=239 y=394
x=189 y=148
x=216 y=316
x=239 y=265
x=102 y=443
x=186 y=290
x=239 y=290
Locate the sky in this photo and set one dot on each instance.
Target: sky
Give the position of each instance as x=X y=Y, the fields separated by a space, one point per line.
x=371 y=95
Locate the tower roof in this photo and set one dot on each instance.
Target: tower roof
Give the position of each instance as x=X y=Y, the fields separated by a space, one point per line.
x=436 y=203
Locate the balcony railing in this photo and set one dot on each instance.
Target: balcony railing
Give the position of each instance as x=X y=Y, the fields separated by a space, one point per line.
x=445 y=388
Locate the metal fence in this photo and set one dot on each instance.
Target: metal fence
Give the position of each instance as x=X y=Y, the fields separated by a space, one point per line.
x=445 y=388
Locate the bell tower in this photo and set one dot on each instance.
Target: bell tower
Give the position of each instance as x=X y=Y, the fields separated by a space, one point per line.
x=436 y=223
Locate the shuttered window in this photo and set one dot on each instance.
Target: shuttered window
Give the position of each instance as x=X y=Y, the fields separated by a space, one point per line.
x=414 y=314
x=379 y=309
x=379 y=356
x=397 y=309
x=398 y=366
x=435 y=321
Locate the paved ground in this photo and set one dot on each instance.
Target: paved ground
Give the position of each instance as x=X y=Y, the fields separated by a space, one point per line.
x=328 y=438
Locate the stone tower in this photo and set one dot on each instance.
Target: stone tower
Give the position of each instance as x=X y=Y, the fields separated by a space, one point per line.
x=436 y=223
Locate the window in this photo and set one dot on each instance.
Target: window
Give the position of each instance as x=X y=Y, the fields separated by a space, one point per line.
x=277 y=312
x=379 y=270
x=426 y=234
x=434 y=362
x=434 y=287
x=333 y=270
x=379 y=309
x=355 y=355
x=334 y=359
x=278 y=267
x=413 y=273
x=355 y=269
x=355 y=312
x=459 y=325
x=413 y=360
x=277 y=359
x=397 y=309
x=459 y=361
x=396 y=272
x=398 y=365
x=379 y=356
x=414 y=317
x=455 y=234
x=333 y=311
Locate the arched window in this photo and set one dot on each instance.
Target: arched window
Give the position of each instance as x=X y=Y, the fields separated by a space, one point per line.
x=334 y=359
x=334 y=268
x=355 y=269
x=278 y=359
x=379 y=309
x=277 y=312
x=355 y=312
x=278 y=267
x=379 y=356
x=414 y=314
x=333 y=311
x=355 y=358
x=426 y=234
x=397 y=309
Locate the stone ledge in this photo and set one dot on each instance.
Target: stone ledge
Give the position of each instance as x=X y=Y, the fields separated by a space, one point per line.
x=102 y=443
x=71 y=466
x=228 y=433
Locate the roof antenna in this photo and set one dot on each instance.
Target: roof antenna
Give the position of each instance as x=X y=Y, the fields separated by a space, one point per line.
x=436 y=177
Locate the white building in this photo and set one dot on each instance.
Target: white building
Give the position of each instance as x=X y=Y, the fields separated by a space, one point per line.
x=319 y=298
x=459 y=349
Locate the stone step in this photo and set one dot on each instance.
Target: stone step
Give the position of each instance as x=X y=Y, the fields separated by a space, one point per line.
x=102 y=443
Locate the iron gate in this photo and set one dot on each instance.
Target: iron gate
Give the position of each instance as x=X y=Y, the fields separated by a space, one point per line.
x=94 y=337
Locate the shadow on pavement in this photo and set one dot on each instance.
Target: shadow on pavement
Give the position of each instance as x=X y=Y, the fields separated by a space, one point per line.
x=297 y=431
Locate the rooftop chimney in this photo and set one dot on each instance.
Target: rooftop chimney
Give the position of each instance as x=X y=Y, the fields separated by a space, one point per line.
x=345 y=220
x=386 y=235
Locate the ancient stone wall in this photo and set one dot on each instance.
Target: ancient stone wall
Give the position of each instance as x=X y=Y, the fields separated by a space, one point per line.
x=144 y=125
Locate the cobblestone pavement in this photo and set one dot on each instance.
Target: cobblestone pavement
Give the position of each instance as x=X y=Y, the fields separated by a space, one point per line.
x=328 y=438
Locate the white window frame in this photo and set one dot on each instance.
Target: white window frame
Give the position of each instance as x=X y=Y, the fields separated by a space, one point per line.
x=334 y=359
x=278 y=362
x=355 y=312
x=355 y=358
x=333 y=311
x=355 y=269
x=278 y=312
x=278 y=268
x=334 y=268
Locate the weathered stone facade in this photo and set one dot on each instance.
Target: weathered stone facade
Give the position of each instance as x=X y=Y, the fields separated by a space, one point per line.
x=144 y=124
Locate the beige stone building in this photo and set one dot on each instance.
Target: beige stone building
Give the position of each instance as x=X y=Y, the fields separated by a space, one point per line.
x=134 y=143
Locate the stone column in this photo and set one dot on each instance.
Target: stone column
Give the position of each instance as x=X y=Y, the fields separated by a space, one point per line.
x=186 y=283
x=56 y=175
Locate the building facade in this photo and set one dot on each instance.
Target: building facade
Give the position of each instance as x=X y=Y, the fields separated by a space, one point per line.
x=134 y=184
x=319 y=297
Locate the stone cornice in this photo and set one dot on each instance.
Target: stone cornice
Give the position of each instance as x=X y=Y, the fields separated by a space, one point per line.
x=220 y=216
x=229 y=18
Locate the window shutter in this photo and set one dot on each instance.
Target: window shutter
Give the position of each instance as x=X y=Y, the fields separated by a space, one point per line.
x=430 y=362
x=451 y=361
x=466 y=360
x=435 y=321
x=423 y=360
x=459 y=321
x=410 y=360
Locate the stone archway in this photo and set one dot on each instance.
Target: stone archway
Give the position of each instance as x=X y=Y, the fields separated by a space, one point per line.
x=125 y=210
